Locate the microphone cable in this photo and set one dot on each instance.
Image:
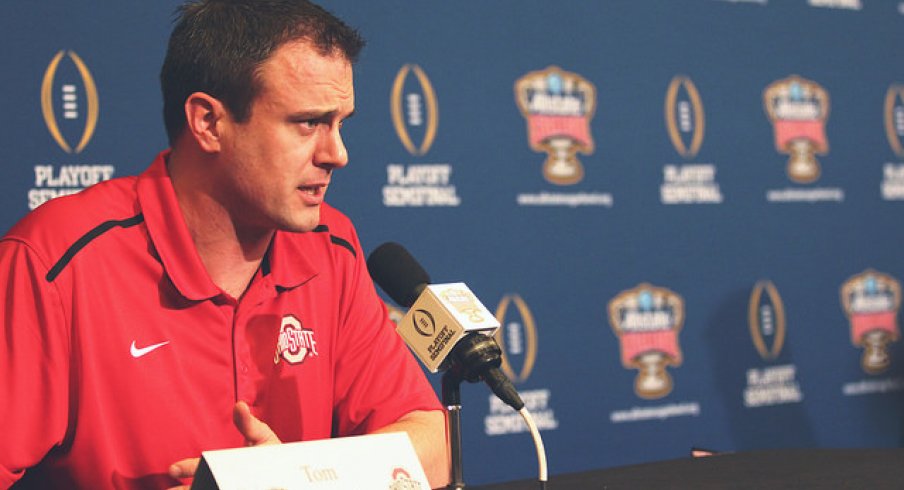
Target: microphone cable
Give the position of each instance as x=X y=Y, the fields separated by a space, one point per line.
x=538 y=443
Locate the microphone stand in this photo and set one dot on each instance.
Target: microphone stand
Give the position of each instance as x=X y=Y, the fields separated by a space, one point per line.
x=451 y=386
x=475 y=358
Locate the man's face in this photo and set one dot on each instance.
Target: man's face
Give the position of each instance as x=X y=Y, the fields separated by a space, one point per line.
x=277 y=164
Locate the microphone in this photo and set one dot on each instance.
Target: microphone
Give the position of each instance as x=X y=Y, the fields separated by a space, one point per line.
x=397 y=273
x=446 y=326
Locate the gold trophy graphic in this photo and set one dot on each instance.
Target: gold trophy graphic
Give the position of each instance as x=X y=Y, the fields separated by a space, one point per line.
x=871 y=301
x=799 y=109
x=646 y=320
x=558 y=106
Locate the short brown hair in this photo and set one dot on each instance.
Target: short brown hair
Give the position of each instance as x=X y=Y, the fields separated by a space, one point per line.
x=217 y=46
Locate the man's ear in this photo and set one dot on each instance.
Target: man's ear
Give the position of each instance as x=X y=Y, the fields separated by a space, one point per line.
x=204 y=116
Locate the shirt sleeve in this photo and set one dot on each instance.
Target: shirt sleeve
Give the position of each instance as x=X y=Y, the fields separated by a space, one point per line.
x=34 y=362
x=377 y=379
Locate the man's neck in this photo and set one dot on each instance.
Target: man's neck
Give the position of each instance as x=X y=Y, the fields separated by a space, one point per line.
x=231 y=254
x=230 y=261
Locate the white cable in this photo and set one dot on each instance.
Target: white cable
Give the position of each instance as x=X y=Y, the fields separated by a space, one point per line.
x=538 y=442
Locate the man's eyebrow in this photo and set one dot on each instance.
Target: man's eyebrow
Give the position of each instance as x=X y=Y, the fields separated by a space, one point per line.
x=317 y=115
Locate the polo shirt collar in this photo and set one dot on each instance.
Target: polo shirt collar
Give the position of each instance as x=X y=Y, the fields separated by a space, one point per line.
x=169 y=233
x=286 y=263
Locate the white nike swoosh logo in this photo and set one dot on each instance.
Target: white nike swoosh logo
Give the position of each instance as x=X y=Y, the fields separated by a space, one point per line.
x=136 y=352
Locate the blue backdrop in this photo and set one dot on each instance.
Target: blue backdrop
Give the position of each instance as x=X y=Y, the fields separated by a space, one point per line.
x=611 y=178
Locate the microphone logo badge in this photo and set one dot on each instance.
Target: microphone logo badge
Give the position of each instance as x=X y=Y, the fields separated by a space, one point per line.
x=294 y=343
x=894 y=118
x=464 y=302
x=766 y=319
x=423 y=323
x=420 y=107
x=66 y=97
x=558 y=106
x=441 y=315
x=871 y=301
x=798 y=109
x=647 y=320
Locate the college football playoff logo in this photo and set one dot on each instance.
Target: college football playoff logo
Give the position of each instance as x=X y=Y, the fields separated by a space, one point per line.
x=684 y=116
x=766 y=319
x=894 y=118
x=65 y=95
x=516 y=338
x=415 y=111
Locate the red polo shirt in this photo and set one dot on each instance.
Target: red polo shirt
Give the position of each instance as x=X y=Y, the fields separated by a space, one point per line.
x=120 y=356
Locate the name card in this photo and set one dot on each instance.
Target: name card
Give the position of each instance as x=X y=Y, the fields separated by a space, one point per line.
x=377 y=461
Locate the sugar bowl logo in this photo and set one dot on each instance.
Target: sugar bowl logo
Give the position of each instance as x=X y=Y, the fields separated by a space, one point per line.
x=558 y=106
x=517 y=337
x=892 y=185
x=798 y=109
x=871 y=301
x=647 y=320
x=464 y=303
x=66 y=96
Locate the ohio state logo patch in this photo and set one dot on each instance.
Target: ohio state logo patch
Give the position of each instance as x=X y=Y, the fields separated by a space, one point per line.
x=295 y=343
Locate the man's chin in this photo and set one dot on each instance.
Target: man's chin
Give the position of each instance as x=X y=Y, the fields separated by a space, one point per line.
x=301 y=224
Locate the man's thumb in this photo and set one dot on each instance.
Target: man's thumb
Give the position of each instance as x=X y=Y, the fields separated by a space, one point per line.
x=254 y=431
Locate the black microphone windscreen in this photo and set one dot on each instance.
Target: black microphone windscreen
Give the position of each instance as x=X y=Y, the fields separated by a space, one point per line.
x=397 y=273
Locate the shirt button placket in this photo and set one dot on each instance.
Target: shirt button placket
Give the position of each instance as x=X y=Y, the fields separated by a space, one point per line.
x=239 y=356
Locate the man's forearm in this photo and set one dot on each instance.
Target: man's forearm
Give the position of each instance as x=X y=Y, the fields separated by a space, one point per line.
x=427 y=430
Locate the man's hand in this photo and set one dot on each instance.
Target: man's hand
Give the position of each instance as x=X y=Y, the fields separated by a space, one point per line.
x=255 y=432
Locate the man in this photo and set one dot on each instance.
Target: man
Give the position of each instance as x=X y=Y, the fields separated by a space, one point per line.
x=215 y=300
